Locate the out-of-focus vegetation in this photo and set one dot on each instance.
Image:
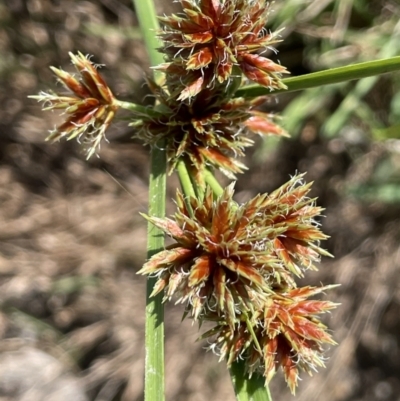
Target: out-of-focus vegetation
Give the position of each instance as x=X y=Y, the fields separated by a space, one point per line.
x=71 y=238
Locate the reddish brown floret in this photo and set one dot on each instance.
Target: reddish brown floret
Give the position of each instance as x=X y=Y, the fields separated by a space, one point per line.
x=227 y=257
x=90 y=112
x=285 y=333
x=213 y=40
x=211 y=131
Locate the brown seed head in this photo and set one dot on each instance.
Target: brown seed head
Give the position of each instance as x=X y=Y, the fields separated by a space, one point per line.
x=229 y=257
x=285 y=332
x=215 y=40
x=89 y=112
x=211 y=130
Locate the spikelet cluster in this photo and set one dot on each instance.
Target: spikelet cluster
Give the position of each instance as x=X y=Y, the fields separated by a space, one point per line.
x=233 y=264
x=208 y=48
x=285 y=332
x=90 y=109
x=236 y=264
x=212 y=130
x=211 y=42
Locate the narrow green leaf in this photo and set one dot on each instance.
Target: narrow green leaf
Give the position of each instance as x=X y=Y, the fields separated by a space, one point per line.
x=306 y=104
x=327 y=77
x=381 y=134
x=351 y=102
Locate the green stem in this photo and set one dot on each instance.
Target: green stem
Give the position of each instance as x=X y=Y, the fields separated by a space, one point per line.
x=154 y=386
x=253 y=389
x=138 y=109
x=327 y=77
x=213 y=183
x=186 y=184
x=185 y=180
x=147 y=17
x=154 y=342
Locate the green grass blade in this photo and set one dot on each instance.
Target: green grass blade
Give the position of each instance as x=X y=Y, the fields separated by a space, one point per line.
x=338 y=119
x=308 y=103
x=327 y=77
x=154 y=342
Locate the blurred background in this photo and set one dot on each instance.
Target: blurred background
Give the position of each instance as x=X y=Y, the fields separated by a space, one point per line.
x=71 y=238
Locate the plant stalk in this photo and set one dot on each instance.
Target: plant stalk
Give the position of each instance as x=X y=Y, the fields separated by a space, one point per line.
x=147 y=16
x=154 y=341
x=186 y=184
x=185 y=180
x=248 y=389
x=154 y=383
x=213 y=183
x=138 y=109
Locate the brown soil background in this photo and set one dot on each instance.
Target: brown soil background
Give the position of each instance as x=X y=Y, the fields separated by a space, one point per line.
x=71 y=238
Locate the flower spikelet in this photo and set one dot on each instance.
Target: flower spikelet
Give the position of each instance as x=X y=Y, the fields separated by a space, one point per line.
x=229 y=257
x=89 y=111
x=286 y=333
x=210 y=131
x=290 y=209
x=214 y=41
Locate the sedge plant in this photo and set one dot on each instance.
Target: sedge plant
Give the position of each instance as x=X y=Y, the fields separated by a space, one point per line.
x=233 y=264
